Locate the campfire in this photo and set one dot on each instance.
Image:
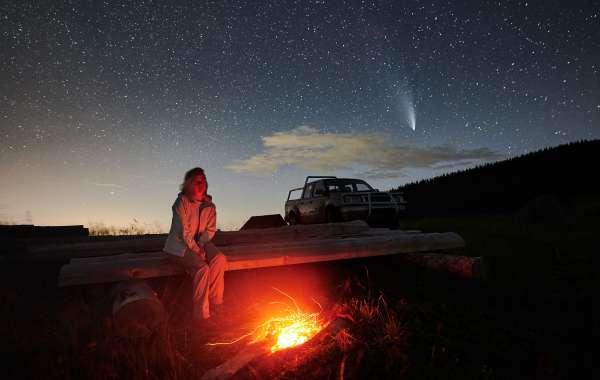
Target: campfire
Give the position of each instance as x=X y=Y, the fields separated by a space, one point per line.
x=292 y=328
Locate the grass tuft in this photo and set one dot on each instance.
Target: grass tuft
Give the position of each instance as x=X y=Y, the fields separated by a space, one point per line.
x=134 y=228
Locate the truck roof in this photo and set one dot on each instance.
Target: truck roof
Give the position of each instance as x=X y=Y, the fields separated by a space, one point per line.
x=335 y=178
x=316 y=176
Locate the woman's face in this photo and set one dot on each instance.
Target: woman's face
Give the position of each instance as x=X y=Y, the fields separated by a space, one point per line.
x=196 y=188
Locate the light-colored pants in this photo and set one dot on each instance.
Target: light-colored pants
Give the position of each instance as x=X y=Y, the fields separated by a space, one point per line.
x=208 y=277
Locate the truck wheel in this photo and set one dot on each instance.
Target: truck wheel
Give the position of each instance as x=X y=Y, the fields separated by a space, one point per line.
x=394 y=223
x=332 y=215
x=292 y=219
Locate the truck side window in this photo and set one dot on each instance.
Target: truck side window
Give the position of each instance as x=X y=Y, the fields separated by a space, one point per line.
x=319 y=189
x=308 y=190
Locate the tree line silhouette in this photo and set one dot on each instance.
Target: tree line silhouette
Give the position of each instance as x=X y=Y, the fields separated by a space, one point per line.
x=563 y=171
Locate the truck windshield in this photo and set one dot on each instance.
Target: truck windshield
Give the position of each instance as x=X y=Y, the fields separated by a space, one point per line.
x=347 y=185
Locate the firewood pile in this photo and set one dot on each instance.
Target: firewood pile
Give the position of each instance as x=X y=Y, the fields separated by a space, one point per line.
x=249 y=249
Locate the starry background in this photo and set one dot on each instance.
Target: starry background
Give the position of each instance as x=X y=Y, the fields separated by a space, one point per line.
x=105 y=105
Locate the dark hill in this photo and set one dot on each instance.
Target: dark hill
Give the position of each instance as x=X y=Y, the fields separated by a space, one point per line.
x=565 y=171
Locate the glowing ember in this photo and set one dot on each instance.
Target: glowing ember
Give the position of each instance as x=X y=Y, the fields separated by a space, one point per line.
x=292 y=329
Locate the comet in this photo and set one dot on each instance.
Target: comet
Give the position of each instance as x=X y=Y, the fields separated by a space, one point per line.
x=407 y=107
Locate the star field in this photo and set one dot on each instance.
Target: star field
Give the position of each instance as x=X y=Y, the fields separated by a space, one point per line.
x=130 y=95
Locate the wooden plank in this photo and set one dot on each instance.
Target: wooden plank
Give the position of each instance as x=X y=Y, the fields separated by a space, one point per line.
x=413 y=243
x=87 y=249
x=252 y=256
x=34 y=248
x=111 y=272
x=32 y=231
x=351 y=248
x=114 y=258
x=233 y=250
x=264 y=221
x=63 y=252
x=55 y=231
x=222 y=239
x=287 y=233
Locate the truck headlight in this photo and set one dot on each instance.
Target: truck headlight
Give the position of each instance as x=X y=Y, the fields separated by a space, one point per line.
x=398 y=198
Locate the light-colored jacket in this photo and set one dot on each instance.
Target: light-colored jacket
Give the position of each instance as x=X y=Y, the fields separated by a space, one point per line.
x=193 y=224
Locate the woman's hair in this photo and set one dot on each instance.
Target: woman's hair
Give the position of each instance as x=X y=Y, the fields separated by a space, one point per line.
x=189 y=174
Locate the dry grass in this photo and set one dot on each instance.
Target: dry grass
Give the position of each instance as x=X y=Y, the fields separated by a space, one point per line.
x=134 y=228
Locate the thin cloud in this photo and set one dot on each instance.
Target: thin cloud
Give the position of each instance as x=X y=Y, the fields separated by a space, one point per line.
x=111 y=185
x=310 y=149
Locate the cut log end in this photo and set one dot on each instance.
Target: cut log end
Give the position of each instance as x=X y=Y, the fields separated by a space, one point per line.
x=462 y=266
x=137 y=311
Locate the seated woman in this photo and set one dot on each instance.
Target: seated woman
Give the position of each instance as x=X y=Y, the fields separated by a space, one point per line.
x=189 y=242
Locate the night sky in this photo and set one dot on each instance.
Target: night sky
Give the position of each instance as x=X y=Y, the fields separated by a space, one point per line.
x=104 y=105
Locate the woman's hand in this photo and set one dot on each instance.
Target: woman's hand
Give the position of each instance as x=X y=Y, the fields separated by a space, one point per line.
x=201 y=251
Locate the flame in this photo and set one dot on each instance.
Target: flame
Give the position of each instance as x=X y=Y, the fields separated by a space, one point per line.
x=290 y=330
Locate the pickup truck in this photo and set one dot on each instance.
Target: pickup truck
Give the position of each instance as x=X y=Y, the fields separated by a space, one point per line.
x=330 y=199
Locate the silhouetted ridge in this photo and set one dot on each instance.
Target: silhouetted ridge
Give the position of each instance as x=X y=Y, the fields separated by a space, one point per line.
x=565 y=171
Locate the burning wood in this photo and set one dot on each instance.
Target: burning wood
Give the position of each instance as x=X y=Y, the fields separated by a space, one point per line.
x=291 y=329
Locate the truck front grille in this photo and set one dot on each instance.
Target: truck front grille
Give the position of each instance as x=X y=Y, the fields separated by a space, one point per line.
x=364 y=198
x=375 y=198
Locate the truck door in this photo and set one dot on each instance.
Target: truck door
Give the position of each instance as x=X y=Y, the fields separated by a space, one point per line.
x=304 y=204
x=317 y=204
